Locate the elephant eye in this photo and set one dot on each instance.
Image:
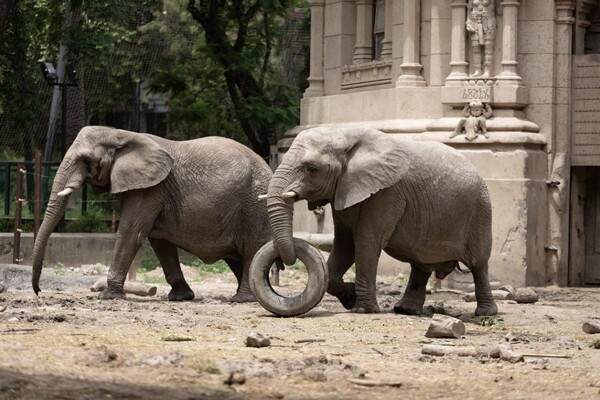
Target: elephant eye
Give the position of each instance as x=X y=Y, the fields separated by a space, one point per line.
x=311 y=168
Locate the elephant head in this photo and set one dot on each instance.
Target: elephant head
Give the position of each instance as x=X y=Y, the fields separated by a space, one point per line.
x=110 y=160
x=341 y=166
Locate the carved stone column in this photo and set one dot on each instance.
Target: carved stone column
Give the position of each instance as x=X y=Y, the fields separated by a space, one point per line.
x=508 y=75
x=317 y=21
x=363 y=50
x=411 y=68
x=386 y=51
x=458 y=52
x=582 y=23
x=559 y=144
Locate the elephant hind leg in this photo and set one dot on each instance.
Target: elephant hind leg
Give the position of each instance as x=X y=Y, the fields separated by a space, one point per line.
x=414 y=295
x=169 y=260
x=240 y=270
x=483 y=292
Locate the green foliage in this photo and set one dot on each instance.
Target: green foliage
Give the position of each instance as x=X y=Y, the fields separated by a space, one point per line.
x=225 y=79
x=149 y=261
x=491 y=321
x=60 y=269
x=219 y=267
x=8 y=225
x=91 y=222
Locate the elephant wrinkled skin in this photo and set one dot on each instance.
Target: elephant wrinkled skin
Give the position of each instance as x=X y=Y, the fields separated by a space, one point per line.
x=199 y=195
x=421 y=202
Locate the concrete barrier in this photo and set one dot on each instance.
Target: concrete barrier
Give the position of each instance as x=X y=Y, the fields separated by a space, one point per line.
x=69 y=249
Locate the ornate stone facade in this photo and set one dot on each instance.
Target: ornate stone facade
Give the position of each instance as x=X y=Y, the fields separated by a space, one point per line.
x=534 y=62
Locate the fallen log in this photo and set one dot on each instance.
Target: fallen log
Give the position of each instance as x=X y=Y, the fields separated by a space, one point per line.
x=501 y=351
x=373 y=382
x=138 y=289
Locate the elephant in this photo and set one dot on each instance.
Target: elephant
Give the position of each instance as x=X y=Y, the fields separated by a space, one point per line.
x=198 y=195
x=421 y=202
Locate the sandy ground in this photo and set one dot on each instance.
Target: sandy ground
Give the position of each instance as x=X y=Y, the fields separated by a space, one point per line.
x=67 y=344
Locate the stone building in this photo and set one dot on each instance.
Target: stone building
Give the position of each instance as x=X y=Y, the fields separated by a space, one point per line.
x=409 y=67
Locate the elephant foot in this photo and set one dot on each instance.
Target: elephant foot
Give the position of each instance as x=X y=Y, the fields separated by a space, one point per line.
x=407 y=308
x=366 y=308
x=243 y=297
x=345 y=293
x=181 y=292
x=486 y=309
x=108 y=294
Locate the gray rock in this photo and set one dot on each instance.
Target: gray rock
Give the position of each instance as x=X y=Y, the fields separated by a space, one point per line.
x=526 y=295
x=255 y=339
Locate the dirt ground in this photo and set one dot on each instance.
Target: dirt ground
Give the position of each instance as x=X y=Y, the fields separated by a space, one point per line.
x=67 y=344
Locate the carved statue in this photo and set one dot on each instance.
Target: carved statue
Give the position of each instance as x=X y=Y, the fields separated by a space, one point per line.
x=474 y=124
x=481 y=24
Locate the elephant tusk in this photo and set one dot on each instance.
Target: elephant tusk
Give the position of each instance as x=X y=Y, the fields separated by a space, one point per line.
x=262 y=196
x=65 y=192
x=288 y=195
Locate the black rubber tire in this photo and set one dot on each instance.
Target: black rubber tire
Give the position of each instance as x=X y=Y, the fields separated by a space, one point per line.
x=289 y=306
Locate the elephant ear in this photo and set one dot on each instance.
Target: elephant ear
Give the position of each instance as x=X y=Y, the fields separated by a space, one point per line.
x=139 y=163
x=375 y=162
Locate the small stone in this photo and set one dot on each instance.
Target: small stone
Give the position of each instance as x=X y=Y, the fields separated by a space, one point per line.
x=595 y=345
x=526 y=296
x=255 y=339
x=591 y=327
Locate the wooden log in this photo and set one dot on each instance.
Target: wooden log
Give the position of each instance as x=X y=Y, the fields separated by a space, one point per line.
x=444 y=326
x=138 y=289
x=502 y=352
x=496 y=295
x=373 y=382
x=591 y=327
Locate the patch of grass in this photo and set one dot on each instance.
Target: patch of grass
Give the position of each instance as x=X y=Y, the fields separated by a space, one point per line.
x=60 y=269
x=149 y=261
x=219 y=267
x=144 y=277
x=491 y=321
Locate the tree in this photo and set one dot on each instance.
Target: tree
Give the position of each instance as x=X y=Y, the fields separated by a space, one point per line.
x=198 y=101
x=240 y=36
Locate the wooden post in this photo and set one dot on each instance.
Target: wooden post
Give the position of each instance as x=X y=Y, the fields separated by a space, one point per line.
x=18 y=209
x=37 y=193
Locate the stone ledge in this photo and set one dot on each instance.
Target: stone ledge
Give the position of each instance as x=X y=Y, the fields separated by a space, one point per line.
x=502 y=130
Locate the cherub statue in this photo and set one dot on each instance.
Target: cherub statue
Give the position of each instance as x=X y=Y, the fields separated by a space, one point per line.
x=474 y=123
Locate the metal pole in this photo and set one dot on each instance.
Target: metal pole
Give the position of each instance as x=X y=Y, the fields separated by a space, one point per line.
x=37 y=193
x=18 y=208
x=63 y=139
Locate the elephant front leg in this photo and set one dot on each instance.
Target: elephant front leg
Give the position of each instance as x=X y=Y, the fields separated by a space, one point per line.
x=340 y=260
x=166 y=252
x=414 y=295
x=366 y=280
x=136 y=222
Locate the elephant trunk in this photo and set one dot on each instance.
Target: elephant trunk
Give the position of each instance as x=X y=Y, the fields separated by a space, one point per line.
x=281 y=213
x=68 y=172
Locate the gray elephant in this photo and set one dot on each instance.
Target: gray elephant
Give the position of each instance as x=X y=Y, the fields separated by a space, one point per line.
x=421 y=202
x=198 y=195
